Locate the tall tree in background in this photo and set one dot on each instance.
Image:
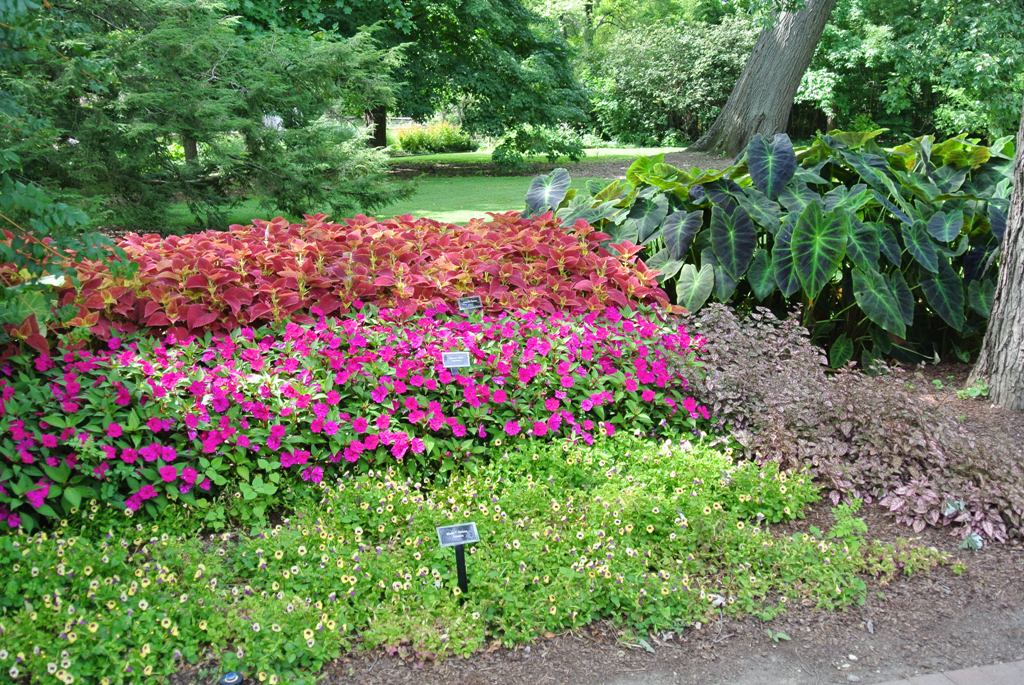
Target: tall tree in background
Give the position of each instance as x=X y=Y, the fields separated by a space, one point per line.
x=1001 y=361
x=499 y=63
x=762 y=98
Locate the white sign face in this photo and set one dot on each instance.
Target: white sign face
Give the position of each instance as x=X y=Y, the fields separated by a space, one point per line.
x=455 y=360
x=458 y=534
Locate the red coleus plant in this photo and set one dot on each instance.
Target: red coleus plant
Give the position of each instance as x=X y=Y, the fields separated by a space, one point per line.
x=276 y=271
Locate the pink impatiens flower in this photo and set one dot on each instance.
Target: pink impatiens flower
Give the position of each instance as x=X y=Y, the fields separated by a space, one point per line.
x=37 y=497
x=512 y=428
x=114 y=430
x=168 y=473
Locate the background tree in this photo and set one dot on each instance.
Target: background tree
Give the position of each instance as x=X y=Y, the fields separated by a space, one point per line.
x=177 y=103
x=763 y=96
x=916 y=66
x=113 y=111
x=1001 y=361
x=665 y=84
x=498 y=63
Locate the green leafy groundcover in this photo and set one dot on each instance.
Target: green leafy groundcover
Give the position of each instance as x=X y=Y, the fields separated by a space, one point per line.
x=650 y=536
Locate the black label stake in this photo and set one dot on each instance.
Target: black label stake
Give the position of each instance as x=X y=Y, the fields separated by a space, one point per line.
x=460 y=567
x=458 y=536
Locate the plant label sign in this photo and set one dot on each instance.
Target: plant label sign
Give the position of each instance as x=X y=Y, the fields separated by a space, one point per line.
x=457 y=535
x=470 y=303
x=455 y=360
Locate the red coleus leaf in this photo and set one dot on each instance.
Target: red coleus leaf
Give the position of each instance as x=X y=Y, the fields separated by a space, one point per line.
x=275 y=269
x=197 y=316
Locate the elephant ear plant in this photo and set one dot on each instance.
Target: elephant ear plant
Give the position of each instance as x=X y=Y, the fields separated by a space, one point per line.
x=886 y=251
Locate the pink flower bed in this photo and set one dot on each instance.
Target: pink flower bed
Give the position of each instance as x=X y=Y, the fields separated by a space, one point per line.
x=144 y=421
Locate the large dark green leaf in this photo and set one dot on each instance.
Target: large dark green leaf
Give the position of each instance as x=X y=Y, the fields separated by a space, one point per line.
x=944 y=291
x=904 y=297
x=850 y=199
x=980 y=295
x=920 y=245
x=862 y=243
x=583 y=208
x=771 y=164
x=903 y=216
x=946 y=226
x=763 y=211
x=918 y=185
x=694 y=287
x=725 y=284
x=648 y=214
x=877 y=301
x=663 y=263
x=783 y=266
x=818 y=244
x=889 y=245
x=841 y=351
x=997 y=220
x=679 y=229
x=796 y=196
x=733 y=239
x=760 y=275
x=949 y=179
x=547 y=192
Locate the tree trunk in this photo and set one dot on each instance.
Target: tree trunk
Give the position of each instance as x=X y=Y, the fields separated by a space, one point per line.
x=377 y=119
x=762 y=97
x=191 y=146
x=1001 y=362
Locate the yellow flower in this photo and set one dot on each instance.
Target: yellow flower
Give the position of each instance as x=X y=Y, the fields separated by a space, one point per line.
x=202 y=625
x=93 y=627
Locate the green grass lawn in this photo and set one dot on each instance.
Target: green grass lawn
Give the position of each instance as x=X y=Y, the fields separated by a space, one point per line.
x=597 y=154
x=457 y=199
x=454 y=199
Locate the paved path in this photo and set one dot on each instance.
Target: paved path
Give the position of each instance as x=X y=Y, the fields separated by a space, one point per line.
x=1000 y=674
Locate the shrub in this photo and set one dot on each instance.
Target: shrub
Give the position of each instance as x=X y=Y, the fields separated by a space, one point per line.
x=525 y=141
x=437 y=137
x=887 y=251
x=276 y=271
x=145 y=422
x=569 y=535
x=663 y=84
x=865 y=436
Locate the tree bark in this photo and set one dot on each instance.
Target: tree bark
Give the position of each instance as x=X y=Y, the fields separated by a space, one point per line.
x=191 y=146
x=1001 y=362
x=763 y=96
x=377 y=119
